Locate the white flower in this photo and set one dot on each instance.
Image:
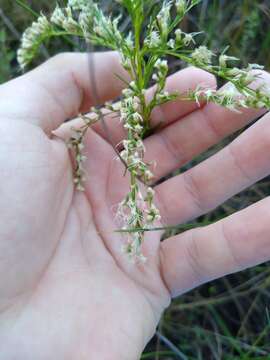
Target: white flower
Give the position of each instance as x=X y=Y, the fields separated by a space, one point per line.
x=148 y=175
x=230 y=91
x=79 y=4
x=171 y=43
x=70 y=24
x=42 y=24
x=188 y=39
x=129 y=42
x=124 y=155
x=178 y=35
x=154 y=40
x=133 y=85
x=181 y=6
x=235 y=72
x=31 y=39
x=161 y=65
x=150 y=191
x=116 y=106
x=138 y=128
x=202 y=55
x=209 y=93
x=223 y=59
x=153 y=214
x=58 y=17
x=164 y=16
x=127 y=93
x=137 y=117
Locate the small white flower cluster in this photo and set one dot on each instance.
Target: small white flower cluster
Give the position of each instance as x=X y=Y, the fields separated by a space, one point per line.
x=238 y=94
x=101 y=29
x=80 y=18
x=144 y=60
x=163 y=26
x=133 y=152
x=243 y=77
x=31 y=40
x=181 y=40
x=188 y=38
x=183 y=6
x=224 y=59
x=230 y=97
x=64 y=18
x=202 y=55
x=79 y=4
x=136 y=211
x=162 y=70
x=90 y=21
x=108 y=30
x=76 y=145
x=161 y=96
x=153 y=40
x=161 y=67
x=164 y=18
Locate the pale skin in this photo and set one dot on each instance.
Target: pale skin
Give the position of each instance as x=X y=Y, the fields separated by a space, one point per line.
x=66 y=290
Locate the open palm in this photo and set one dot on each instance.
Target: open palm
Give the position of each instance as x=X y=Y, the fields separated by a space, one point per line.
x=66 y=291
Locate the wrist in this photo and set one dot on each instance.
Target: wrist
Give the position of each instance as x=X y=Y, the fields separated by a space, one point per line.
x=120 y=346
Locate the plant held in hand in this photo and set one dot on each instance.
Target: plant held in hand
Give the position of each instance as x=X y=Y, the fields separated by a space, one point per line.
x=156 y=35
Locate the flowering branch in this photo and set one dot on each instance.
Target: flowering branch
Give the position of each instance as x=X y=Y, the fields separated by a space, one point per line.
x=143 y=55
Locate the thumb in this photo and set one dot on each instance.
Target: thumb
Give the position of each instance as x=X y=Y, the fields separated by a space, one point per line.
x=60 y=88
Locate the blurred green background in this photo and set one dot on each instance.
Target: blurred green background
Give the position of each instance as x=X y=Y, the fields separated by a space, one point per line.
x=225 y=319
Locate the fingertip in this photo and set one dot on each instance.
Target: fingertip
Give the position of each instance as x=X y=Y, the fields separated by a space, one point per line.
x=67 y=84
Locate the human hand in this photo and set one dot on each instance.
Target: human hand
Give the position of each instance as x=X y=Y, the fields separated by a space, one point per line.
x=66 y=291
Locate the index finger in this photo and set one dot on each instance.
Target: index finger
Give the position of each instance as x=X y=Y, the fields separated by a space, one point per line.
x=61 y=88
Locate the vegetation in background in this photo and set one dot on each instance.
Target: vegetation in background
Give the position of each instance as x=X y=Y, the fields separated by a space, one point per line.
x=228 y=318
x=6 y=56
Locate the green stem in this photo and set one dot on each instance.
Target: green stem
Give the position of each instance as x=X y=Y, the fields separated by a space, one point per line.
x=138 y=54
x=27 y=8
x=164 y=228
x=139 y=68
